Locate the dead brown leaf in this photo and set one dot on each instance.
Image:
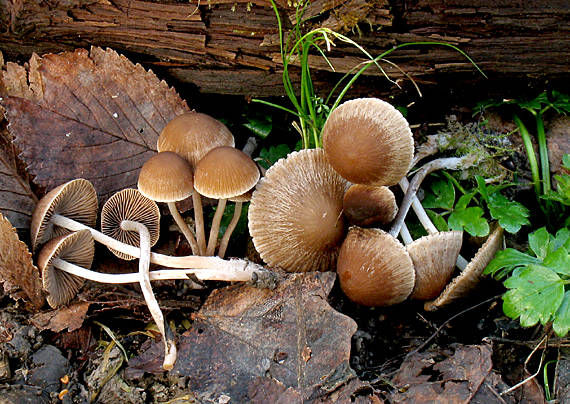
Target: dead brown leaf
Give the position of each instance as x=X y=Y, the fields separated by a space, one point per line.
x=87 y=114
x=70 y=317
x=16 y=264
x=464 y=376
x=242 y=333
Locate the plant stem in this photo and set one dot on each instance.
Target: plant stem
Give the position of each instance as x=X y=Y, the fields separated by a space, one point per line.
x=184 y=227
x=543 y=153
x=212 y=241
x=150 y=299
x=230 y=229
x=527 y=141
x=190 y=261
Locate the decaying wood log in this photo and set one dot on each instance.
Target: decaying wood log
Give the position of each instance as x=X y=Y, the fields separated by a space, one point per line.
x=231 y=46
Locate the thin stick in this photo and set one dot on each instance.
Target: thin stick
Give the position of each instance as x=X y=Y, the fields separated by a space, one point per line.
x=213 y=240
x=199 y=221
x=230 y=229
x=184 y=228
x=516 y=386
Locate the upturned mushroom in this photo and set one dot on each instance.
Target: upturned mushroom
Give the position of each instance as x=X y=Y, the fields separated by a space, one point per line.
x=224 y=172
x=369 y=205
x=368 y=141
x=295 y=215
x=167 y=177
x=192 y=135
x=374 y=269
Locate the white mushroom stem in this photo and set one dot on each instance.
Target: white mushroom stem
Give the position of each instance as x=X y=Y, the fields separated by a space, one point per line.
x=150 y=299
x=184 y=228
x=230 y=229
x=190 y=261
x=405 y=234
x=213 y=240
x=199 y=222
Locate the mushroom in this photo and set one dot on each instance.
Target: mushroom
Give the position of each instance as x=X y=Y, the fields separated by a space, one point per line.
x=129 y=204
x=76 y=200
x=374 y=269
x=167 y=177
x=295 y=215
x=369 y=205
x=462 y=284
x=224 y=172
x=368 y=141
x=77 y=249
x=192 y=135
x=238 y=200
x=213 y=267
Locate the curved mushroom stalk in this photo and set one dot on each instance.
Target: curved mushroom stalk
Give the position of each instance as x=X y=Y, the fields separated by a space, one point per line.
x=230 y=229
x=213 y=239
x=150 y=299
x=199 y=222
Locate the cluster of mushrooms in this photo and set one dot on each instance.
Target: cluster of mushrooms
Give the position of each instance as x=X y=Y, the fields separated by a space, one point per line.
x=196 y=157
x=324 y=208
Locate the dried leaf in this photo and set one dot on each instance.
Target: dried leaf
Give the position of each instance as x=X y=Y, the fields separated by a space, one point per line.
x=70 y=317
x=242 y=333
x=16 y=264
x=93 y=115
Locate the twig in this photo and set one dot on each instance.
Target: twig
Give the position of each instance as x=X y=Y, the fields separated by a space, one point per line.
x=516 y=386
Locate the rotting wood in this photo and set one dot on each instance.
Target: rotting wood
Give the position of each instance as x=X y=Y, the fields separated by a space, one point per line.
x=231 y=47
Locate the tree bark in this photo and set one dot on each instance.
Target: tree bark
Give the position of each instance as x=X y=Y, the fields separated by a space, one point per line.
x=232 y=47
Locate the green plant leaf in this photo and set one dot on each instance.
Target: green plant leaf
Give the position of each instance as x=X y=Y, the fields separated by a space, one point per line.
x=562 y=317
x=464 y=200
x=535 y=294
x=469 y=219
x=562 y=239
x=507 y=260
x=558 y=261
x=260 y=126
x=562 y=193
x=438 y=220
x=268 y=157
x=566 y=161
x=539 y=243
x=441 y=194
x=510 y=214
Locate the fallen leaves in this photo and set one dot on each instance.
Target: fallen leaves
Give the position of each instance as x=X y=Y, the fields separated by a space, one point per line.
x=70 y=317
x=16 y=266
x=290 y=334
x=92 y=115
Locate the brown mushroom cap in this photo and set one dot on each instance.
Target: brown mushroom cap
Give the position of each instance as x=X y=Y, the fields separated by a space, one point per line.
x=76 y=199
x=225 y=172
x=471 y=275
x=245 y=197
x=368 y=141
x=166 y=177
x=374 y=269
x=434 y=258
x=295 y=215
x=129 y=204
x=76 y=248
x=369 y=205
x=192 y=135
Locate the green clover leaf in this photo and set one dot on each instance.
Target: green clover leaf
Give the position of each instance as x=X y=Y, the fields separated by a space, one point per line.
x=469 y=219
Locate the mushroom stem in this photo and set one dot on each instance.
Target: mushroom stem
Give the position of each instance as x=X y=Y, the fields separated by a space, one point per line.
x=230 y=229
x=199 y=222
x=405 y=234
x=450 y=163
x=190 y=261
x=184 y=228
x=212 y=241
x=150 y=299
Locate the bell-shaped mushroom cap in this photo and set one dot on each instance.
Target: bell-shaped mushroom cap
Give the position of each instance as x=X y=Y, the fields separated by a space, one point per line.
x=374 y=269
x=192 y=135
x=471 y=275
x=295 y=215
x=369 y=205
x=76 y=199
x=368 y=141
x=225 y=172
x=76 y=248
x=434 y=258
x=245 y=197
x=129 y=204
x=166 y=177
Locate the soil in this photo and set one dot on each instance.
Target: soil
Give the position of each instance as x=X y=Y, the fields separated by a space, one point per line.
x=82 y=366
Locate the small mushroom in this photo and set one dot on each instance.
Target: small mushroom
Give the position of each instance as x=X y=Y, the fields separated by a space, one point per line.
x=369 y=205
x=75 y=200
x=129 y=204
x=224 y=172
x=374 y=269
x=462 y=284
x=167 y=177
x=368 y=141
x=75 y=248
x=434 y=258
x=192 y=135
x=295 y=215
x=238 y=200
